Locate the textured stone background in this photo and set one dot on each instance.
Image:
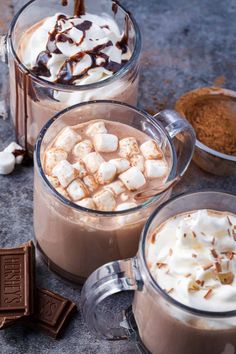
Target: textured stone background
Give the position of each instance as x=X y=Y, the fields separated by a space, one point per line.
x=186 y=44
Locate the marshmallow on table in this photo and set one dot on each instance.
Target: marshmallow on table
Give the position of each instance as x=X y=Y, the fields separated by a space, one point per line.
x=7 y=162
x=156 y=168
x=138 y=161
x=90 y=183
x=96 y=128
x=82 y=149
x=106 y=173
x=67 y=139
x=105 y=142
x=121 y=164
x=133 y=178
x=54 y=181
x=151 y=150
x=116 y=187
x=128 y=147
x=52 y=157
x=104 y=200
x=87 y=203
x=65 y=173
x=92 y=161
x=13 y=147
x=77 y=190
x=80 y=167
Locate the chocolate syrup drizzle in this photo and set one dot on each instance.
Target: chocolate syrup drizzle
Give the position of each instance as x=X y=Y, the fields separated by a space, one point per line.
x=65 y=75
x=25 y=83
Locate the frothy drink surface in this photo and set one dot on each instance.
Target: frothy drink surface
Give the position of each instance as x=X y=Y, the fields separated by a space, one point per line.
x=193 y=258
x=101 y=165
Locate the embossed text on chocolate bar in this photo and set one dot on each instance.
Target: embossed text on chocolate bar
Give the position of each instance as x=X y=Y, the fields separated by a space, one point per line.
x=12 y=294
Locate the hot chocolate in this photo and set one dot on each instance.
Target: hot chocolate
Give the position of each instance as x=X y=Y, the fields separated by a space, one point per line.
x=98 y=165
x=191 y=256
x=70 y=58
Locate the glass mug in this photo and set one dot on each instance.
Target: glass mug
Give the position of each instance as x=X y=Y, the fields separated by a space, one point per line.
x=163 y=324
x=75 y=240
x=33 y=99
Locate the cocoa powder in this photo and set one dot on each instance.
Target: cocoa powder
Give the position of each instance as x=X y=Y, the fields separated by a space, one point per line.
x=214 y=119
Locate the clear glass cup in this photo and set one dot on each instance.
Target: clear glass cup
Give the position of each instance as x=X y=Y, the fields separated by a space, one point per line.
x=74 y=240
x=33 y=100
x=163 y=324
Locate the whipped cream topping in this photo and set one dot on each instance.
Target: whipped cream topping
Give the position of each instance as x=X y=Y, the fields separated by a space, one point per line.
x=76 y=50
x=192 y=256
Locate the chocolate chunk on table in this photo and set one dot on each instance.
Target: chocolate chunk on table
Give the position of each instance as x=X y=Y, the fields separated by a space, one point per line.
x=17 y=278
x=52 y=312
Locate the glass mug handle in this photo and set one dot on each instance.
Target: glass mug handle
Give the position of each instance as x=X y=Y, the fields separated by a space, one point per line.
x=107 y=280
x=183 y=136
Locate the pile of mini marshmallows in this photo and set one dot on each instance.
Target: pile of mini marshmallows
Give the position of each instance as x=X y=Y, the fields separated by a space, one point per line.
x=91 y=181
x=8 y=159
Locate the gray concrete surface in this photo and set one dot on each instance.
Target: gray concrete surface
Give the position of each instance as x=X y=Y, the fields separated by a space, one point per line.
x=186 y=44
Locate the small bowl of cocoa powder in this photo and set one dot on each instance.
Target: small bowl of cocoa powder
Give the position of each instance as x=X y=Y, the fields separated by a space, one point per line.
x=212 y=113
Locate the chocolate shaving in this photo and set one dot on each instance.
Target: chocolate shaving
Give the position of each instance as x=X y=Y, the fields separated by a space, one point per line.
x=214 y=253
x=188 y=275
x=213 y=241
x=194 y=234
x=228 y=232
x=218 y=267
x=153 y=238
x=170 y=290
x=170 y=252
x=185 y=235
x=229 y=254
x=194 y=255
x=230 y=223
x=208 y=294
x=161 y=265
x=208 y=266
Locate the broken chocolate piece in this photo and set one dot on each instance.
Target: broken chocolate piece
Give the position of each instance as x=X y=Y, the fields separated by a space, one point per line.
x=52 y=312
x=17 y=269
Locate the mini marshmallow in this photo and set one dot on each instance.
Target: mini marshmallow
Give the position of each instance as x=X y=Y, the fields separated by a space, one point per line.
x=54 y=181
x=82 y=149
x=106 y=173
x=126 y=206
x=67 y=139
x=116 y=187
x=121 y=164
x=104 y=200
x=128 y=147
x=65 y=172
x=96 y=128
x=52 y=157
x=151 y=150
x=7 y=162
x=90 y=183
x=63 y=192
x=138 y=161
x=13 y=148
x=92 y=161
x=133 y=178
x=124 y=197
x=155 y=168
x=77 y=190
x=80 y=167
x=105 y=142
x=87 y=203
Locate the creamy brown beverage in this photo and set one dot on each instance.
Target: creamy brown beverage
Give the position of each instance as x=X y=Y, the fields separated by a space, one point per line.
x=69 y=52
x=192 y=257
x=98 y=165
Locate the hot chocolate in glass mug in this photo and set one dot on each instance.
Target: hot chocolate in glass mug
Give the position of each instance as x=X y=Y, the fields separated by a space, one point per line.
x=93 y=192
x=65 y=52
x=183 y=280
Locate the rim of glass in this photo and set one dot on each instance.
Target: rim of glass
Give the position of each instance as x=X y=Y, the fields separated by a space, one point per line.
x=119 y=74
x=67 y=202
x=154 y=284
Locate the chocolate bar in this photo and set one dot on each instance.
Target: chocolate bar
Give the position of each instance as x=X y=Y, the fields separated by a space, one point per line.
x=52 y=312
x=17 y=269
